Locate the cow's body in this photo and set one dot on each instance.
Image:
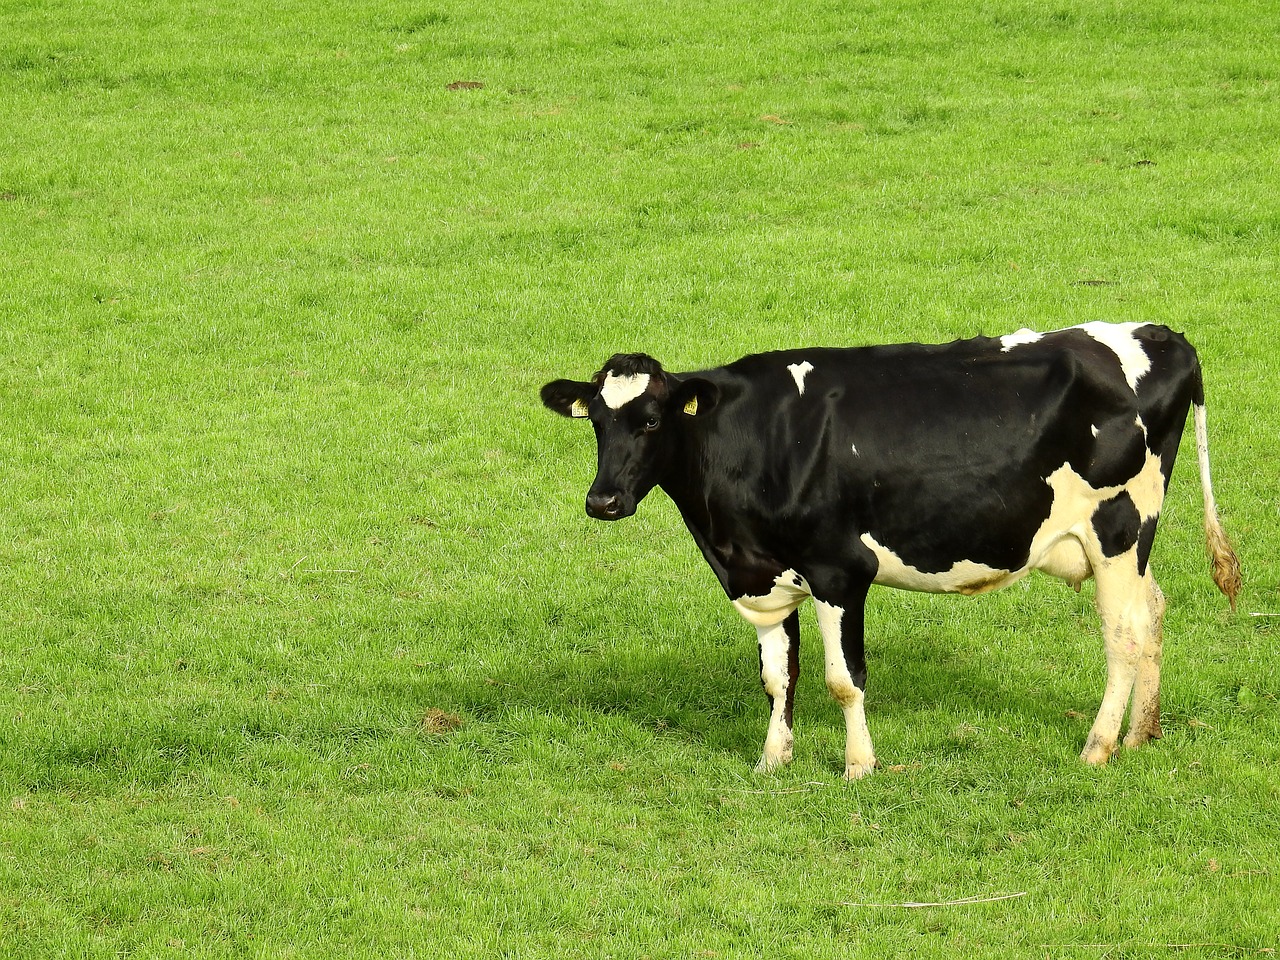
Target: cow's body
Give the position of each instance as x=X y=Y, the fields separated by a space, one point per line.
x=954 y=468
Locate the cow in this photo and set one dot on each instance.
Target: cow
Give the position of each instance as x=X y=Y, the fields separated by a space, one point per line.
x=943 y=468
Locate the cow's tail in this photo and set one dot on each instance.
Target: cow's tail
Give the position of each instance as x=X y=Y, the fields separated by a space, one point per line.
x=1226 y=565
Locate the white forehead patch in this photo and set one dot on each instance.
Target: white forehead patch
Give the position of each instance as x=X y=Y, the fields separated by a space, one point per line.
x=799 y=371
x=1119 y=337
x=1011 y=340
x=622 y=390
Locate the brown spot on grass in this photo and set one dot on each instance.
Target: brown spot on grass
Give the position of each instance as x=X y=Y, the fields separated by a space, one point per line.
x=438 y=723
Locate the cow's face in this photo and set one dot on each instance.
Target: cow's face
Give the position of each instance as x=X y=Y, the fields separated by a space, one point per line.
x=637 y=412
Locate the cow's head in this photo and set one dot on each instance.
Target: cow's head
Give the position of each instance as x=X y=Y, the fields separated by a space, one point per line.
x=639 y=413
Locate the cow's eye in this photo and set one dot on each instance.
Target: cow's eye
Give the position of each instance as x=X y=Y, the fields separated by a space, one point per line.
x=651 y=423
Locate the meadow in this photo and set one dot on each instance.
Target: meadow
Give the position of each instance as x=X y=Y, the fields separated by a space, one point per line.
x=307 y=647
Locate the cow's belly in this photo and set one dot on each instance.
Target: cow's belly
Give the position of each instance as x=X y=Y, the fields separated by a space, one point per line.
x=964 y=576
x=1057 y=548
x=1064 y=558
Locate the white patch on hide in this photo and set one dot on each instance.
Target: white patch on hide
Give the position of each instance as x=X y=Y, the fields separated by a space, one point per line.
x=1023 y=336
x=775 y=606
x=1095 y=430
x=798 y=372
x=1119 y=337
x=965 y=576
x=1147 y=488
x=618 y=391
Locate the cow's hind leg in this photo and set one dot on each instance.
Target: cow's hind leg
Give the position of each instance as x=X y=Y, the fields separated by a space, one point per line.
x=846 y=672
x=1125 y=604
x=779 y=671
x=1144 y=714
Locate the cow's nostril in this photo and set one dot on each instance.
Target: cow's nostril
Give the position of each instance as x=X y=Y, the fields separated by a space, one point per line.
x=604 y=506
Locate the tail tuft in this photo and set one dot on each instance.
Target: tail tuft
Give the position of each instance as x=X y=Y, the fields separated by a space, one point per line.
x=1226 y=565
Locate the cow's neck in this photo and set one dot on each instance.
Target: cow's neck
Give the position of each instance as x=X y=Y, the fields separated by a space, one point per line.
x=729 y=548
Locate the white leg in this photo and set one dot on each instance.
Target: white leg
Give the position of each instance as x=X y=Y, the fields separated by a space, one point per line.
x=859 y=757
x=774 y=653
x=1144 y=715
x=1123 y=602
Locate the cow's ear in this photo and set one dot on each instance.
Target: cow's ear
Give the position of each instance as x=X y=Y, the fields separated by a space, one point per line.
x=569 y=398
x=695 y=397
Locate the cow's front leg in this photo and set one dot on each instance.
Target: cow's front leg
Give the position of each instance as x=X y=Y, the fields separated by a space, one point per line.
x=846 y=669
x=779 y=670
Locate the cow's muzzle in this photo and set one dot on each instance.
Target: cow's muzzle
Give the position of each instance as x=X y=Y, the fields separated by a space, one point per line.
x=607 y=506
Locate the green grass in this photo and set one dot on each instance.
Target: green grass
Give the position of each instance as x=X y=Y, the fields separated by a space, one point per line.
x=274 y=308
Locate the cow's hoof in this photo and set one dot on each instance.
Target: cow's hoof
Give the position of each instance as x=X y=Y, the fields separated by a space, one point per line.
x=1136 y=738
x=771 y=762
x=1096 y=754
x=856 y=771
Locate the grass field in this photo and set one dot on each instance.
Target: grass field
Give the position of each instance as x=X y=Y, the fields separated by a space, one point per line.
x=308 y=648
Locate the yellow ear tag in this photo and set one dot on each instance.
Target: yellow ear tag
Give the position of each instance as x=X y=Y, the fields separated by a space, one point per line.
x=577 y=409
x=691 y=407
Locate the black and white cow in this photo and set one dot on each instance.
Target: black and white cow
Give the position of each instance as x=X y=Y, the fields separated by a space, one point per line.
x=952 y=468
